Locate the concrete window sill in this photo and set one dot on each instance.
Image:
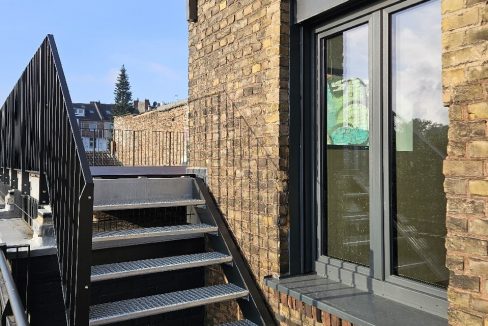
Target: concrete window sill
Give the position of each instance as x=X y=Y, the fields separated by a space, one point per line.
x=346 y=302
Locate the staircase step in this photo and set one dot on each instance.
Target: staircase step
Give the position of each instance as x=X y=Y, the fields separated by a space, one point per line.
x=112 y=312
x=130 y=204
x=161 y=233
x=243 y=322
x=139 y=267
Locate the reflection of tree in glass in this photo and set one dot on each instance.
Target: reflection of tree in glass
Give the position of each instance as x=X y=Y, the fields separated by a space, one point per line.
x=421 y=203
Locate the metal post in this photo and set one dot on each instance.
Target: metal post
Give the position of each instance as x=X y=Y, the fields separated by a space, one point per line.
x=170 y=150
x=133 y=147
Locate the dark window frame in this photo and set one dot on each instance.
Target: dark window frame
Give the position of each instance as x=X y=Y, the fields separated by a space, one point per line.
x=378 y=279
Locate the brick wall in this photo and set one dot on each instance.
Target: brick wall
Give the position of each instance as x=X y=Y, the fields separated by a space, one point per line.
x=238 y=72
x=295 y=312
x=465 y=81
x=238 y=111
x=158 y=137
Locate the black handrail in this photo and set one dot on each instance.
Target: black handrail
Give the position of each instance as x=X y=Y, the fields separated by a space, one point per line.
x=40 y=134
x=256 y=308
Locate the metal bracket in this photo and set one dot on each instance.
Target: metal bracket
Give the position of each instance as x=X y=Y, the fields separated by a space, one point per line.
x=26 y=186
x=43 y=191
x=13 y=178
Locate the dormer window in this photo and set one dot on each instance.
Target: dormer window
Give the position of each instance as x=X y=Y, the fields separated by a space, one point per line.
x=79 y=112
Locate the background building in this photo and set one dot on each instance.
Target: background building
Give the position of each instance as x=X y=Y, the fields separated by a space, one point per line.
x=95 y=122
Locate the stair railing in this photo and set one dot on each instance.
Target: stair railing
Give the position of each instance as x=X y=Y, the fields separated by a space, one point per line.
x=239 y=273
x=39 y=134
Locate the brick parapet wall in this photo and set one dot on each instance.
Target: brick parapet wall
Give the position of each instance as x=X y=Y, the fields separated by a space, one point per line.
x=465 y=82
x=158 y=137
x=169 y=117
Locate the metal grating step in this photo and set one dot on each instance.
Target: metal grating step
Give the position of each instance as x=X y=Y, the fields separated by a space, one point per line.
x=158 y=232
x=243 y=322
x=147 y=266
x=131 y=204
x=112 y=312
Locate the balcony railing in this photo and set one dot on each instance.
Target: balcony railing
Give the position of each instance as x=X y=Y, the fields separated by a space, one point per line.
x=108 y=147
x=39 y=134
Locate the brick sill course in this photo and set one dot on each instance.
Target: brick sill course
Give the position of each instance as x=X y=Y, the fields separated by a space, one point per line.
x=318 y=296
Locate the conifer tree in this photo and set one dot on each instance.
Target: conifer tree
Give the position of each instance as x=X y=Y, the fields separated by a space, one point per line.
x=123 y=95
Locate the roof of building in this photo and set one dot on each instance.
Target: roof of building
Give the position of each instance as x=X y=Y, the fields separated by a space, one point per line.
x=93 y=111
x=169 y=106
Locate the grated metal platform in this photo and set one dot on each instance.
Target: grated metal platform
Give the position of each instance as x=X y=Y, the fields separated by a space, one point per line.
x=147 y=266
x=159 y=232
x=112 y=312
x=243 y=322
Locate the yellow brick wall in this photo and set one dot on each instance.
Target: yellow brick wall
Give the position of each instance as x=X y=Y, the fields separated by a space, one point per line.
x=238 y=60
x=465 y=82
x=154 y=138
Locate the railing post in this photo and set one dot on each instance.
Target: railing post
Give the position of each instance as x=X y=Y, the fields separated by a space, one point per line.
x=170 y=150
x=84 y=244
x=133 y=147
x=42 y=107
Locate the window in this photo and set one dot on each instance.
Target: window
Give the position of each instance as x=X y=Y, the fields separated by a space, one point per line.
x=79 y=112
x=346 y=138
x=381 y=139
x=418 y=145
x=93 y=126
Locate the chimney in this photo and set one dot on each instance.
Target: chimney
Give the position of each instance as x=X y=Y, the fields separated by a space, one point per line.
x=146 y=105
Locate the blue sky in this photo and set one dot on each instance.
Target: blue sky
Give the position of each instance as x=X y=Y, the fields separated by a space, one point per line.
x=94 y=39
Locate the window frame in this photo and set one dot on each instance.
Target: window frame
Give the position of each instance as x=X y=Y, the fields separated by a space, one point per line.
x=379 y=277
x=320 y=185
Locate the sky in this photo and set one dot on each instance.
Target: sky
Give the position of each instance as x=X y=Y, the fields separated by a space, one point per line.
x=94 y=39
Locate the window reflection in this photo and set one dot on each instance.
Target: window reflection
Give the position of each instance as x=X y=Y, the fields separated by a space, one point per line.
x=347 y=146
x=419 y=144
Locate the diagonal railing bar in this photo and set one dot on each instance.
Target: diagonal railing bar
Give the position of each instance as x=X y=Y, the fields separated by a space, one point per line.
x=39 y=134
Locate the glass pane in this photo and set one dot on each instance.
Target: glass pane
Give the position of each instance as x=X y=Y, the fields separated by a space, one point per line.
x=419 y=145
x=347 y=146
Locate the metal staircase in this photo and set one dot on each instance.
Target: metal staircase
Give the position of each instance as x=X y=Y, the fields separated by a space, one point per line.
x=106 y=276
x=204 y=221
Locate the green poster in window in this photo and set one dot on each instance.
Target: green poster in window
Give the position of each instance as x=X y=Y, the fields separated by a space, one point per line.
x=347 y=111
